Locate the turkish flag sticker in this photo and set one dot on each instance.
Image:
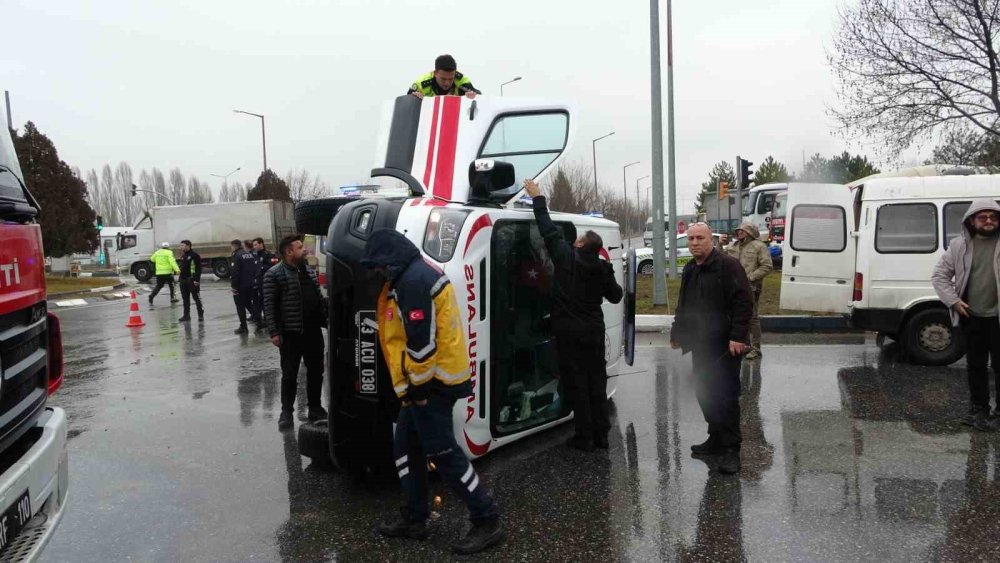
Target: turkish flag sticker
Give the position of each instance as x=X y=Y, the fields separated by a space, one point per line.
x=416 y=315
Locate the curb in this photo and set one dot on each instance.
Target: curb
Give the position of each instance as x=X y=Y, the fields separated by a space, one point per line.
x=768 y=323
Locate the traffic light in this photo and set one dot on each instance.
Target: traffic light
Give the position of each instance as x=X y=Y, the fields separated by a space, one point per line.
x=723 y=190
x=100 y=222
x=744 y=175
x=133 y=190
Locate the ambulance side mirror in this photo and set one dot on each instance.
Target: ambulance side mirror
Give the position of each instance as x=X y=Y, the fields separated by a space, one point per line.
x=487 y=176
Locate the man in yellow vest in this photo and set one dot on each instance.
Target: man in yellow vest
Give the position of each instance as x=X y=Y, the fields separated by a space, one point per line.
x=444 y=81
x=165 y=266
x=423 y=342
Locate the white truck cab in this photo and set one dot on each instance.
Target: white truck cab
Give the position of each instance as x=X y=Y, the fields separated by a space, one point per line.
x=868 y=251
x=448 y=161
x=758 y=203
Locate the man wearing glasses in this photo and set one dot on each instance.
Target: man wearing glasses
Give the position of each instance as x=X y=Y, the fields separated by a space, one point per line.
x=967 y=279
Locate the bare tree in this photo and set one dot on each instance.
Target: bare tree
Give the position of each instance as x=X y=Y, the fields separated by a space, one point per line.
x=94 y=194
x=198 y=192
x=302 y=185
x=908 y=67
x=108 y=199
x=123 y=193
x=177 y=189
x=145 y=198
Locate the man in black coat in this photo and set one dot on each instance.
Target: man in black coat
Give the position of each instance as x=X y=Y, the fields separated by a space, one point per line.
x=242 y=274
x=263 y=261
x=190 y=281
x=712 y=321
x=583 y=282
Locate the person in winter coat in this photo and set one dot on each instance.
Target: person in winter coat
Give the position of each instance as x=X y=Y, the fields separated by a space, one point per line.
x=712 y=321
x=296 y=314
x=190 y=281
x=423 y=342
x=755 y=257
x=263 y=261
x=583 y=282
x=967 y=280
x=165 y=267
x=243 y=271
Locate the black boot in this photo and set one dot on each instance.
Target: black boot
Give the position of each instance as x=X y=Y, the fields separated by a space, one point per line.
x=317 y=413
x=241 y=330
x=184 y=319
x=201 y=316
x=481 y=535
x=402 y=527
x=285 y=420
x=708 y=447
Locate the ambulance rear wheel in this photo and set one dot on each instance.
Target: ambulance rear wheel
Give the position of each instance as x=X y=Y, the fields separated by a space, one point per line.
x=931 y=340
x=314 y=443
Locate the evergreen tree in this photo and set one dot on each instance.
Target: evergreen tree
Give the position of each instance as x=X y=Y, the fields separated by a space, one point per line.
x=771 y=172
x=269 y=186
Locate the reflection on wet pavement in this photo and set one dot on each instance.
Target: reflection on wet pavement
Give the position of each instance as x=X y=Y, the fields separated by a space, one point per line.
x=848 y=455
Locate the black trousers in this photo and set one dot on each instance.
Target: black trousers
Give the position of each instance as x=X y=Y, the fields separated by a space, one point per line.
x=717 y=385
x=257 y=313
x=295 y=348
x=584 y=377
x=244 y=302
x=189 y=290
x=162 y=280
x=982 y=349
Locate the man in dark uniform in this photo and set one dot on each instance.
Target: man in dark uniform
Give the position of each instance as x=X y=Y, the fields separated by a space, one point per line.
x=190 y=280
x=444 y=81
x=263 y=260
x=241 y=279
x=583 y=282
x=712 y=321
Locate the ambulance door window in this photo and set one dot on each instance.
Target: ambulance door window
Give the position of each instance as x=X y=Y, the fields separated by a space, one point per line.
x=524 y=389
x=531 y=142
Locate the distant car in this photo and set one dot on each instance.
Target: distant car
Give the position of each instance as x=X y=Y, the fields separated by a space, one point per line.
x=644 y=256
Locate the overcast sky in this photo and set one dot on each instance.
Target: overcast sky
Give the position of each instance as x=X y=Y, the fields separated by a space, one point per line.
x=154 y=84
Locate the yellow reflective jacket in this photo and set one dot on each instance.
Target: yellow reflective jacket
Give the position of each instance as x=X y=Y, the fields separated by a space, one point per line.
x=164 y=261
x=420 y=329
x=428 y=87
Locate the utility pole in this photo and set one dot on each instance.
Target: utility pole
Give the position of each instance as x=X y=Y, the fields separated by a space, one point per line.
x=6 y=96
x=672 y=162
x=625 y=196
x=659 y=282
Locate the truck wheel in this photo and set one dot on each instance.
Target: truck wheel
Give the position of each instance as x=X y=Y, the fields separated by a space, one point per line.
x=931 y=340
x=646 y=268
x=312 y=217
x=220 y=268
x=314 y=443
x=142 y=271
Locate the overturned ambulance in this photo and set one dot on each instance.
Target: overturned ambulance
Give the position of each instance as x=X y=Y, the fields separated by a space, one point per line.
x=449 y=173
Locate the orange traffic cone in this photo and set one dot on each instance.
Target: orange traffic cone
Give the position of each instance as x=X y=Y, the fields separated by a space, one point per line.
x=134 y=320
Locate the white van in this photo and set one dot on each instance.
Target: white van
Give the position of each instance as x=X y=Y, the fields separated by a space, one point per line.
x=869 y=251
x=758 y=202
x=460 y=163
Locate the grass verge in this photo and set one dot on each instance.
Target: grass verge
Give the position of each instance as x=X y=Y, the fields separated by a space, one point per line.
x=770 y=297
x=58 y=284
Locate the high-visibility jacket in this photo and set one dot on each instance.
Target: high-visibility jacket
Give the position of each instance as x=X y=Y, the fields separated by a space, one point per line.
x=427 y=86
x=164 y=261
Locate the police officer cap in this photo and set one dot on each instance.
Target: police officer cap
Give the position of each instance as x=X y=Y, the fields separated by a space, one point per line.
x=165 y=245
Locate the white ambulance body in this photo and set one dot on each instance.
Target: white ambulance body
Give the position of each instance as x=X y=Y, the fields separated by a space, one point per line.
x=491 y=251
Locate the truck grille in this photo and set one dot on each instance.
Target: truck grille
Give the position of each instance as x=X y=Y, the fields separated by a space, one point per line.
x=24 y=369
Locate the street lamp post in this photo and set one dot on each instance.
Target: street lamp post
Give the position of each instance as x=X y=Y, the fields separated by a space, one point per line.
x=226 y=176
x=625 y=194
x=637 y=200
x=263 y=138
x=515 y=79
x=593 y=145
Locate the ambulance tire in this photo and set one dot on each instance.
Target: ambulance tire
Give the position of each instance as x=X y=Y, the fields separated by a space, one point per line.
x=930 y=339
x=314 y=443
x=312 y=217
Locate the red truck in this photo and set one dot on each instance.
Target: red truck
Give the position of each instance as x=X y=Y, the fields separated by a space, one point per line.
x=34 y=470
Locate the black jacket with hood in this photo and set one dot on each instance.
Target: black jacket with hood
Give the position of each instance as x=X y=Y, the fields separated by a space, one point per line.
x=583 y=279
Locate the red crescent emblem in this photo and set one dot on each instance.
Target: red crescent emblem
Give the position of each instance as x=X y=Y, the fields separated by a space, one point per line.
x=476 y=449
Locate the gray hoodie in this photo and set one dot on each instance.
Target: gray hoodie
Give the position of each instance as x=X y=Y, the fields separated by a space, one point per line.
x=951 y=275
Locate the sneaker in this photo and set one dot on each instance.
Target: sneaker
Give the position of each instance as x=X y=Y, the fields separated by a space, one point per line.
x=184 y=319
x=481 y=535
x=285 y=420
x=241 y=330
x=172 y=300
x=317 y=413
x=707 y=447
x=580 y=443
x=401 y=527
x=754 y=354
x=729 y=462
x=601 y=441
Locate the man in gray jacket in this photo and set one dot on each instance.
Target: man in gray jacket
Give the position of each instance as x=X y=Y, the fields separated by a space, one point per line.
x=967 y=280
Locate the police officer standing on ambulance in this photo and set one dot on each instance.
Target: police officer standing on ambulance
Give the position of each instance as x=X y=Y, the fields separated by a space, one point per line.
x=444 y=81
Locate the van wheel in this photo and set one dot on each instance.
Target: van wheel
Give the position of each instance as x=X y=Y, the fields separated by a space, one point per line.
x=220 y=267
x=930 y=339
x=314 y=443
x=646 y=268
x=142 y=271
x=312 y=217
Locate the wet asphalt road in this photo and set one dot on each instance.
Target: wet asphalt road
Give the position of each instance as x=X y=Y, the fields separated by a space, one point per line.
x=848 y=455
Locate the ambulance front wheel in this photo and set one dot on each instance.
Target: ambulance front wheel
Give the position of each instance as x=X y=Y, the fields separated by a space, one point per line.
x=314 y=443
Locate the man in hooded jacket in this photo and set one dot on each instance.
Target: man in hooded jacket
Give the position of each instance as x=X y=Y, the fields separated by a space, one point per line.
x=755 y=257
x=967 y=280
x=423 y=342
x=583 y=282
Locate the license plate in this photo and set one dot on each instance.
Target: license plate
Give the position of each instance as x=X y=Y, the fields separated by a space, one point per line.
x=367 y=359
x=14 y=518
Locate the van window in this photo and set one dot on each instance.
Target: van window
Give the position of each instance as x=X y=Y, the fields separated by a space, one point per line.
x=906 y=228
x=953 y=213
x=819 y=228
